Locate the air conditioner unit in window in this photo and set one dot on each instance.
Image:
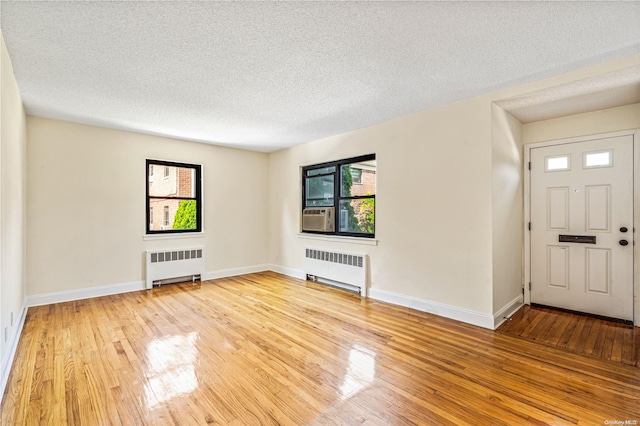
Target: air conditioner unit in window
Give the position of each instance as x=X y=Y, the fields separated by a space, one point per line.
x=318 y=219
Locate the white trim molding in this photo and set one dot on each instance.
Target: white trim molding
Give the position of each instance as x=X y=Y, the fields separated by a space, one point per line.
x=636 y=227
x=232 y=272
x=107 y=290
x=180 y=236
x=339 y=239
x=290 y=272
x=453 y=312
x=83 y=293
x=507 y=311
x=9 y=355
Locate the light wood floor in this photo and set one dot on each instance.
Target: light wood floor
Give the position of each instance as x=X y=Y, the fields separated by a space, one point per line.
x=577 y=333
x=266 y=349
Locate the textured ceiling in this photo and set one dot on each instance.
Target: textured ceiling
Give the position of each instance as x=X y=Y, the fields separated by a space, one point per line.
x=268 y=75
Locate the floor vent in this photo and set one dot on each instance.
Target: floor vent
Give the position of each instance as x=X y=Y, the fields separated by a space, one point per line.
x=340 y=267
x=163 y=265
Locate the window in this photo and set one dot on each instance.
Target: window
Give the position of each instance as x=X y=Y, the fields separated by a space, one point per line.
x=177 y=198
x=349 y=187
x=356 y=176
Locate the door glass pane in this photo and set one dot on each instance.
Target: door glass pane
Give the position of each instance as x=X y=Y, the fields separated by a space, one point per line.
x=169 y=213
x=558 y=163
x=172 y=182
x=357 y=215
x=597 y=159
x=319 y=191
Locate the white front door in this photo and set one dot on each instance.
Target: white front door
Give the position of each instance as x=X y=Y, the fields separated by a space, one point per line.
x=582 y=226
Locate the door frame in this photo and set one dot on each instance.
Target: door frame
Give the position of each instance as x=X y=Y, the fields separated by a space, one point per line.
x=635 y=133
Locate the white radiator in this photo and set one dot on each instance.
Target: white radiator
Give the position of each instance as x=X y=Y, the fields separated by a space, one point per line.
x=340 y=267
x=174 y=263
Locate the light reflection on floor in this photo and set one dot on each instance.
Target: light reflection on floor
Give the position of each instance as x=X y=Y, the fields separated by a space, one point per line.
x=360 y=373
x=171 y=369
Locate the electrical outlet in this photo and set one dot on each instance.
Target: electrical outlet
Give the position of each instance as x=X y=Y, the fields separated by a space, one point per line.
x=11 y=318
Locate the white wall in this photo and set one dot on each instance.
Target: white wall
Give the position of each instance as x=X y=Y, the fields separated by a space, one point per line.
x=433 y=205
x=507 y=212
x=86 y=205
x=12 y=212
x=448 y=239
x=589 y=123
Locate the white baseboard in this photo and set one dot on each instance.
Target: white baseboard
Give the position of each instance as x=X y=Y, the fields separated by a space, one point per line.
x=87 y=293
x=459 y=314
x=290 y=272
x=83 y=293
x=223 y=273
x=9 y=355
x=506 y=311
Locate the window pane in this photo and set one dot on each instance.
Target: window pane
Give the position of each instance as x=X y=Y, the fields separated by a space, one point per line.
x=357 y=216
x=319 y=191
x=321 y=171
x=176 y=182
x=168 y=213
x=358 y=179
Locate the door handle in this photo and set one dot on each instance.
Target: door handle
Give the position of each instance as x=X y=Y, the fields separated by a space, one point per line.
x=623 y=229
x=623 y=242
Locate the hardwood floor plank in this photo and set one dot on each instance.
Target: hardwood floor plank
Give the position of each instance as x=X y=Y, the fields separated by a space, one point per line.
x=628 y=352
x=608 y=342
x=617 y=344
x=538 y=330
x=271 y=350
x=595 y=343
x=557 y=328
x=577 y=333
x=569 y=330
x=588 y=330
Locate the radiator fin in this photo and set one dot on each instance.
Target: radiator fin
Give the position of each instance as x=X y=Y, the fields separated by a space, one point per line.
x=172 y=256
x=327 y=256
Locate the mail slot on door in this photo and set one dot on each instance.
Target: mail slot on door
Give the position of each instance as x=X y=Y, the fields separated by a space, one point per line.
x=582 y=239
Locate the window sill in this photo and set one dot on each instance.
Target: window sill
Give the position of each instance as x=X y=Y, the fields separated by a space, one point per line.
x=151 y=237
x=339 y=238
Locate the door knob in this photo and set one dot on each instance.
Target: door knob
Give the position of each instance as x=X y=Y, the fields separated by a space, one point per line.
x=623 y=229
x=623 y=242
